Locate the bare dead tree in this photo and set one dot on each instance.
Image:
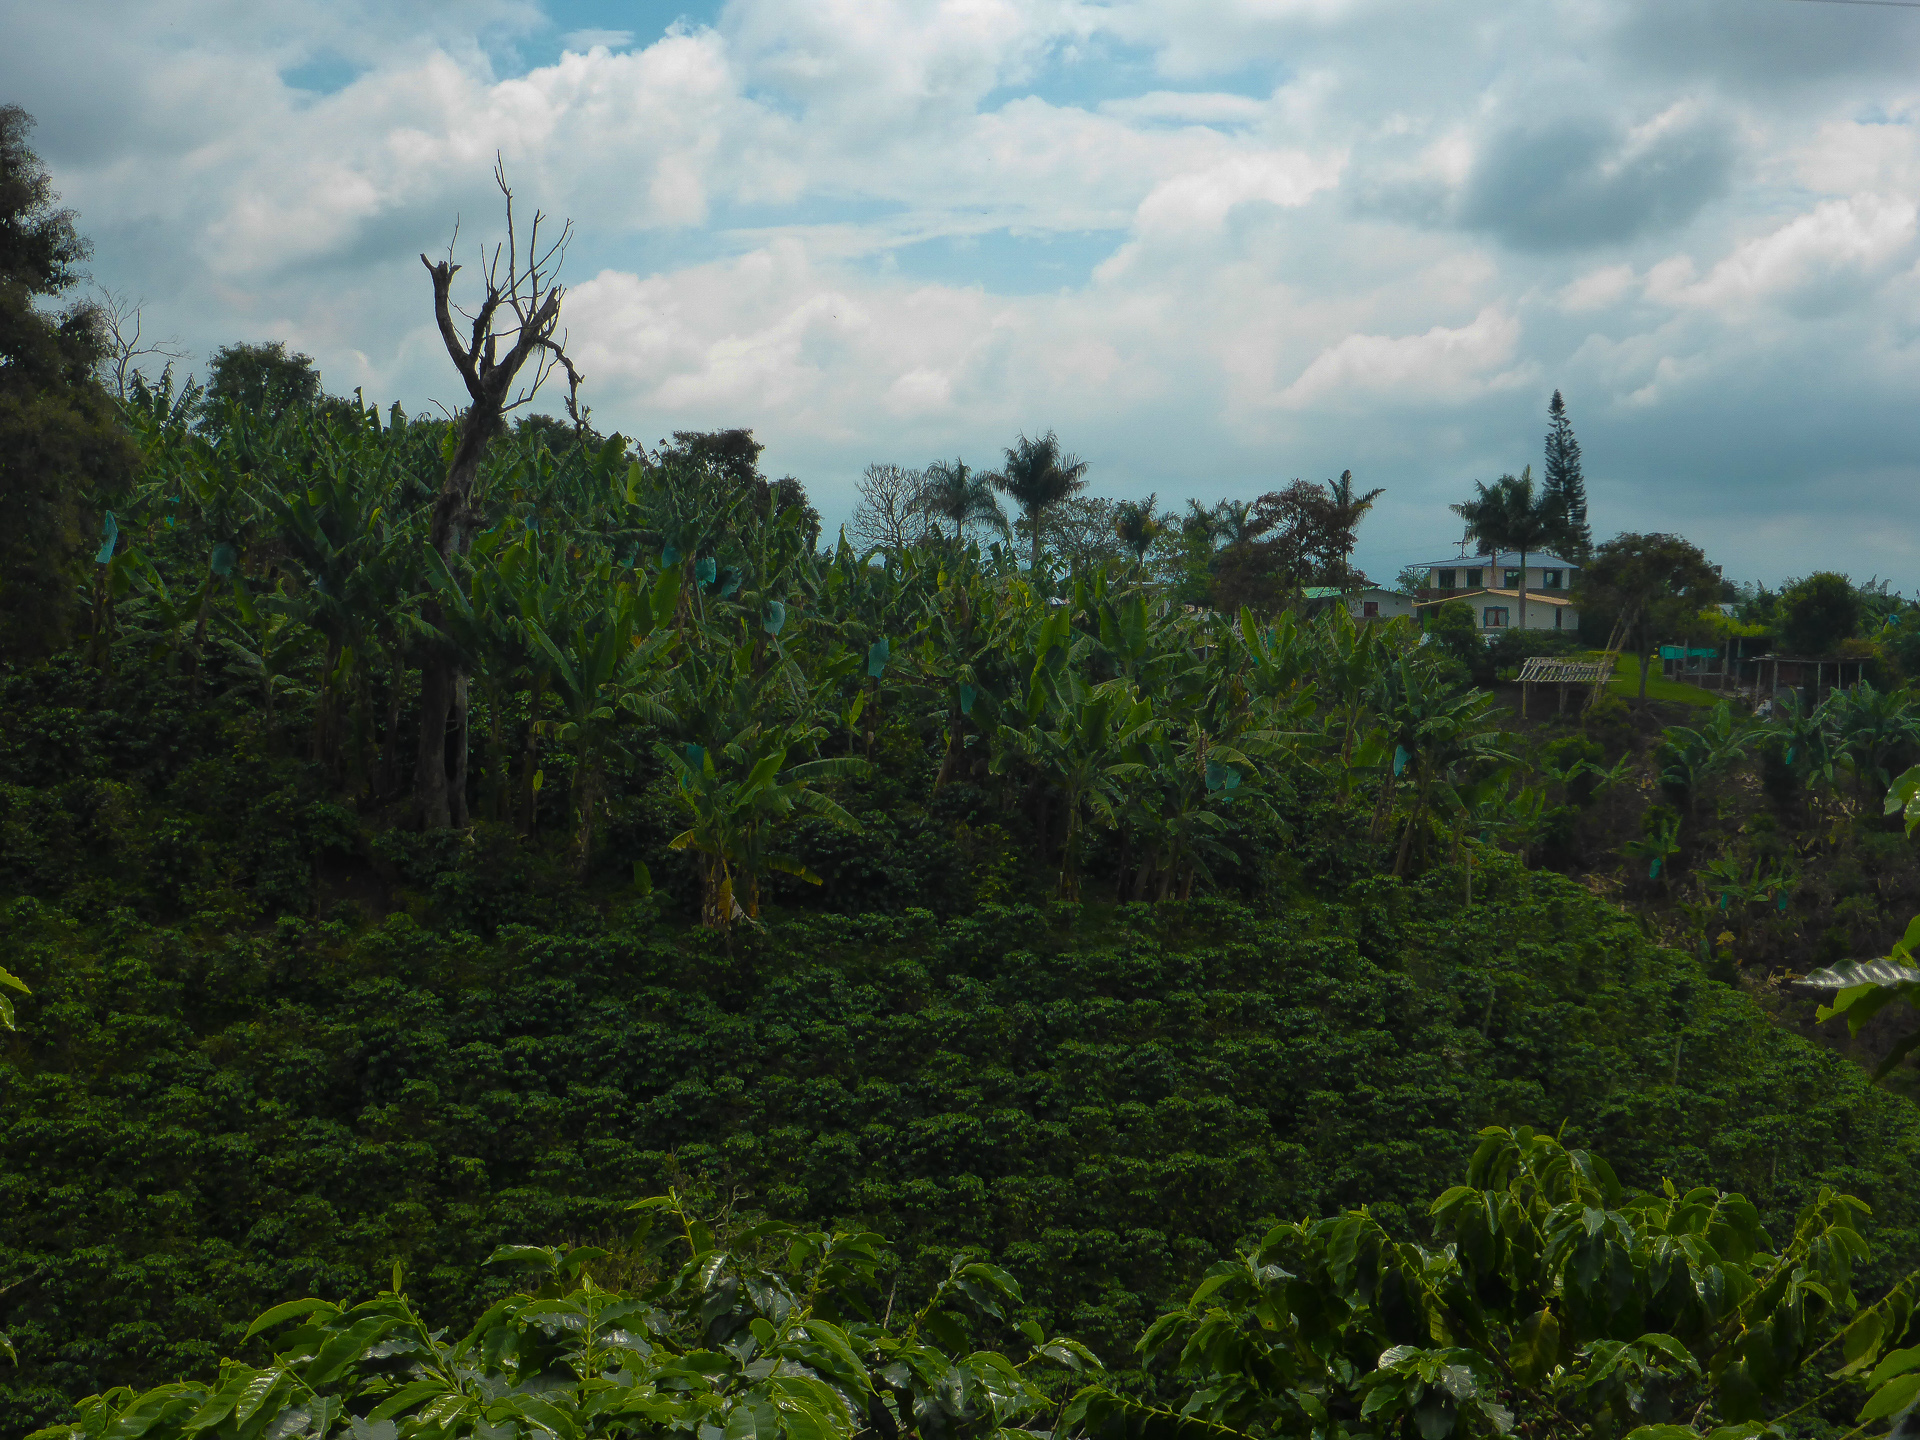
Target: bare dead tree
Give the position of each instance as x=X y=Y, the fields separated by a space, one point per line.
x=891 y=512
x=123 y=328
x=509 y=349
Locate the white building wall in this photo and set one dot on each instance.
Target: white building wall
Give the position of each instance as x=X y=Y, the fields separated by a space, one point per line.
x=1540 y=614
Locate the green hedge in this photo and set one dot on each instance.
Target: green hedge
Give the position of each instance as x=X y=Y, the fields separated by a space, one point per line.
x=202 y=1119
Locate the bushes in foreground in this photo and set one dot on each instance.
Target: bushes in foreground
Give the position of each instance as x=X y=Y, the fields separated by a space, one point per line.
x=1560 y=1305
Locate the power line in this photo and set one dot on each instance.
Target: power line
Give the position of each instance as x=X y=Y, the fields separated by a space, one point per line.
x=1882 y=4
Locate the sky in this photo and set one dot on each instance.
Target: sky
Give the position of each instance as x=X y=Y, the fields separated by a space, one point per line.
x=1214 y=244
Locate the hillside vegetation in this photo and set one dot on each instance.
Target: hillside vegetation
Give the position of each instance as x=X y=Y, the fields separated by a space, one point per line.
x=277 y=1043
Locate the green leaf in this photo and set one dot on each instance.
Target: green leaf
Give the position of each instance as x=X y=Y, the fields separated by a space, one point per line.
x=406 y=1398
x=1898 y=1362
x=543 y=1259
x=1536 y=1347
x=345 y=1347
x=255 y=1394
x=280 y=1314
x=1864 y=972
x=1895 y=1395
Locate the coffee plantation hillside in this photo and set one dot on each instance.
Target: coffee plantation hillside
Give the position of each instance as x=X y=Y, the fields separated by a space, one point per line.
x=985 y=907
x=273 y=1047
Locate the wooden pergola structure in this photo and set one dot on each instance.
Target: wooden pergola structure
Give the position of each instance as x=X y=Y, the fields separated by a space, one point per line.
x=1549 y=670
x=1807 y=672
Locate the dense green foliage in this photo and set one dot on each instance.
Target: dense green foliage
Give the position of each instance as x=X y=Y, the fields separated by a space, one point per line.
x=765 y=1331
x=210 y=1112
x=277 y=1043
x=439 y=834
x=63 y=454
x=1563 y=1305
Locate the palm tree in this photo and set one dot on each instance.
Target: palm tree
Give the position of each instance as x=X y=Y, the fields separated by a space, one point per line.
x=1510 y=515
x=1235 y=521
x=1201 y=521
x=951 y=490
x=1137 y=527
x=1037 y=478
x=1351 y=508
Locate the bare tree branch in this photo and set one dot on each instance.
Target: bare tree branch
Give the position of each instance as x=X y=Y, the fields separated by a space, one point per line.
x=513 y=326
x=123 y=326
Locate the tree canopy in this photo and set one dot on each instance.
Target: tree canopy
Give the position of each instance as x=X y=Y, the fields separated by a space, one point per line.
x=1645 y=582
x=262 y=377
x=64 y=458
x=1817 y=613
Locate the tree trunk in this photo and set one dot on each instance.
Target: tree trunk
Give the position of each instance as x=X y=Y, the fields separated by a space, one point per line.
x=586 y=790
x=1523 y=597
x=459 y=718
x=440 y=787
x=430 y=767
x=390 y=743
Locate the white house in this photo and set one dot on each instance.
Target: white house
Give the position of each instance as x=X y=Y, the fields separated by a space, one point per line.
x=1369 y=602
x=1490 y=584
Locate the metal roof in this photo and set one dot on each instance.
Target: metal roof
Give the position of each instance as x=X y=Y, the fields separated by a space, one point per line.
x=1331 y=592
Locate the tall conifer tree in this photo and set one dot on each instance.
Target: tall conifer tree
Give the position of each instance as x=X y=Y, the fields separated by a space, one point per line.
x=1564 y=483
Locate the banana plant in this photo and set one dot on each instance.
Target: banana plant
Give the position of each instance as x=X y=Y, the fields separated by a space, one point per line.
x=1177 y=804
x=735 y=798
x=729 y=761
x=1870 y=727
x=1866 y=987
x=1802 y=740
x=1437 y=738
x=1689 y=757
x=1079 y=746
x=1347 y=658
x=603 y=675
x=1659 y=847
x=265 y=647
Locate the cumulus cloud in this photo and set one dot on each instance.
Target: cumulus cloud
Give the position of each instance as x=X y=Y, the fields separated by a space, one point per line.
x=1442 y=366
x=1278 y=236
x=1816 y=263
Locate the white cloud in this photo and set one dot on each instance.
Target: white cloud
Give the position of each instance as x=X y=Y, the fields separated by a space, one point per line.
x=1837 y=247
x=1187 y=107
x=1441 y=366
x=1597 y=289
x=1214 y=242
x=591 y=39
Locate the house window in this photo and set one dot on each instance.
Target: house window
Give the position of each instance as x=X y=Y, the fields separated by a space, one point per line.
x=1550 y=579
x=1473 y=579
x=1510 y=580
x=1446 y=579
x=1558 y=616
x=1370 y=610
x=1494 y=617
